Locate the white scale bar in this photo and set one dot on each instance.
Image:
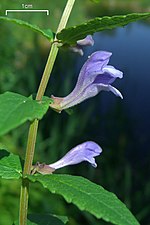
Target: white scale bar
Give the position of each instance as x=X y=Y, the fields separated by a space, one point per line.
x=27 y=10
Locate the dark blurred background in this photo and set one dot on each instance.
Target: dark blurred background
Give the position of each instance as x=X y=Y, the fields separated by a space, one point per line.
x=120 y=127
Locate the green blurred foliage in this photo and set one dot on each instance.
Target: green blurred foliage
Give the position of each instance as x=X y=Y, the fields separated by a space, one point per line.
x=22 y=60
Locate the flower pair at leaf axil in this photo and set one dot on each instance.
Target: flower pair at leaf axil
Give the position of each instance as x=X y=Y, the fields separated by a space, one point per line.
x=86 y=151
x=95 y=76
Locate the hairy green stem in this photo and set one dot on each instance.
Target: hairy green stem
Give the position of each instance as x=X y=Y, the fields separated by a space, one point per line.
x=47 y=71
x=34 y=125
x=54 y=50
x=27 y=168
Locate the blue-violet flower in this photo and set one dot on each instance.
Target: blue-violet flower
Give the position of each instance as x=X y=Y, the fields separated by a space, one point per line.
x=83 y=152
x=95 y=76
x=87 y=41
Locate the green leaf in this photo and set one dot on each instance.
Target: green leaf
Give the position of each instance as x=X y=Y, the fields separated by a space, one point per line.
x=88 y=196
x=10 y=165
x=46 y=33
x=16 y=109
x=72 y=34
x=39 y=219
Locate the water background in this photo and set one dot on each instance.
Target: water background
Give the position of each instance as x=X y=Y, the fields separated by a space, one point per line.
x=131 y=54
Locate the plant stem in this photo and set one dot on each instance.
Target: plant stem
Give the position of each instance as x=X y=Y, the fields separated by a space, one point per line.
x=34 y=125
x=27 y=168
x=54 y=50
x=47 y=71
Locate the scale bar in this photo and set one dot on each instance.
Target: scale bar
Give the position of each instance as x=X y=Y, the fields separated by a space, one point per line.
x=26 y=10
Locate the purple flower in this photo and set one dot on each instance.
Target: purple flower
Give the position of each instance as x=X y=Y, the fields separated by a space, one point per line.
x=95 y=76
x=87 y=41
x=83 y=152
